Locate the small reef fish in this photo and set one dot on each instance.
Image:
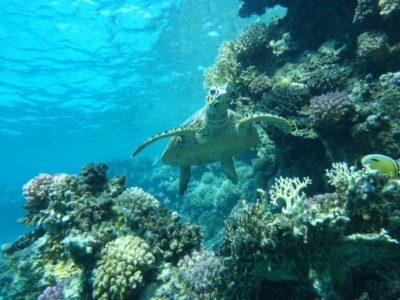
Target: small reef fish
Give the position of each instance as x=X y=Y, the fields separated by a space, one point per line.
x=384 y=164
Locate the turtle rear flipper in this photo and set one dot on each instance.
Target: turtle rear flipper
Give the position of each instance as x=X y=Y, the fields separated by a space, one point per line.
x=278 y=122
x=169 y=133
x=228 y=168
x=185 y=174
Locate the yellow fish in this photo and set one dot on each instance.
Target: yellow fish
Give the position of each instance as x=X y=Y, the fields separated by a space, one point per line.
x=384 y=164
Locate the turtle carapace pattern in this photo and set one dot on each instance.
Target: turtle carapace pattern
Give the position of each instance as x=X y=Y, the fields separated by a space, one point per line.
x=214 y=133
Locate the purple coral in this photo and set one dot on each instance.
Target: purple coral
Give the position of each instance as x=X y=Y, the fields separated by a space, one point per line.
x=204 y=274
x=54 y=292
x=330 y=108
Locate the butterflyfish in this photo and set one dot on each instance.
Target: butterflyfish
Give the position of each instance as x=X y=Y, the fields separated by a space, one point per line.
x=384 y=164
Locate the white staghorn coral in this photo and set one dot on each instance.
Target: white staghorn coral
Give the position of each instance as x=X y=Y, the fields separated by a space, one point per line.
x=288 y=190
x=340 y=176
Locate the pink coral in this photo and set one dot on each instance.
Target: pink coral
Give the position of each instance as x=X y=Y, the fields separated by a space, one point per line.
x=37 y=188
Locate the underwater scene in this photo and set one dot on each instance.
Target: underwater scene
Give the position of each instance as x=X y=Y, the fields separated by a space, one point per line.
x=197 y=149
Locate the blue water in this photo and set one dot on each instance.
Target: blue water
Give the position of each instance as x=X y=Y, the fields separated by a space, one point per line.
x=87 y=81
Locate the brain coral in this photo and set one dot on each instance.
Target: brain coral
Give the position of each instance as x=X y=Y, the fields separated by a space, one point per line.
x=119 y=273
x=330 y=108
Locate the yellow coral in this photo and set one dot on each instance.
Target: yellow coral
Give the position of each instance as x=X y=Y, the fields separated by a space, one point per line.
x=225 y=69
x=119 y=273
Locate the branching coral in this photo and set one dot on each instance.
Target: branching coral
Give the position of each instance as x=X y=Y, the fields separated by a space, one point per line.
x=341 y=177
x=225 y=70
x=288 y=190
x=359 y=184
x=306 y=132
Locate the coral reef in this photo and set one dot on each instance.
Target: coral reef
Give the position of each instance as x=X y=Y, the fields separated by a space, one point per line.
x=317 y=246
x=212 y=200
x=332 y=69
x=84 y=219
x=290 y=249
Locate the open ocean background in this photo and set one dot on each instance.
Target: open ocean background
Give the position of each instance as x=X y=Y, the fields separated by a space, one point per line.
x=87 y=81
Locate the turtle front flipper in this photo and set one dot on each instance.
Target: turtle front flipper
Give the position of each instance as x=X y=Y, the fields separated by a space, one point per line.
x=228 y=168
x=172 y=132
x=184 y=178
x=278 y=122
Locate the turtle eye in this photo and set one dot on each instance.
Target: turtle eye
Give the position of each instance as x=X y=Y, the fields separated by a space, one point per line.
x=212 y=92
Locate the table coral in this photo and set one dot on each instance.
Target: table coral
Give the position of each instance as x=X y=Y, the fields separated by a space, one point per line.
x=120 y=272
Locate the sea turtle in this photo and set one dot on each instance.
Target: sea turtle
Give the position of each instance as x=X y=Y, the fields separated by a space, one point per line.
x=214 y=133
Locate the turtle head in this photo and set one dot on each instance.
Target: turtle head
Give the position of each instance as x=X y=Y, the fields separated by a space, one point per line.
x=217 y=100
